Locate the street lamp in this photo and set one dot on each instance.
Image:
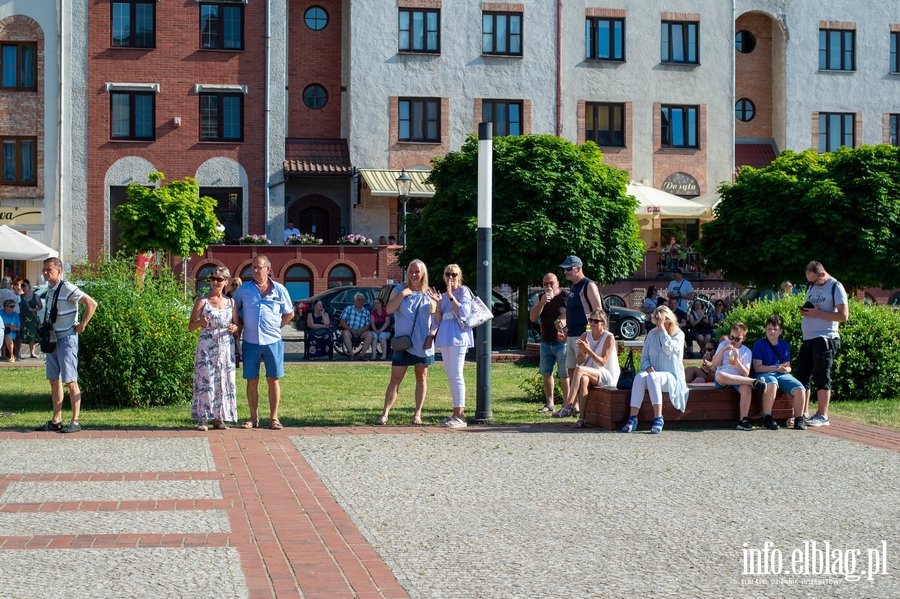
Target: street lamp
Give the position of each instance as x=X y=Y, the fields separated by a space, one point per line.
x=404 y=182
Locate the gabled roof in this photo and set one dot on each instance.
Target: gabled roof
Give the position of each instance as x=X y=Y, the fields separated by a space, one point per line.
x=305 y=157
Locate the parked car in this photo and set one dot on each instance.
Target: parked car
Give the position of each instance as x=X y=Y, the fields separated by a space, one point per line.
x=624 y=323
x=752 y=294
x=334 y=301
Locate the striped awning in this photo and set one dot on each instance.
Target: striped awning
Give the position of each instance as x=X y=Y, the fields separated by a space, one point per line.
x=384 y=182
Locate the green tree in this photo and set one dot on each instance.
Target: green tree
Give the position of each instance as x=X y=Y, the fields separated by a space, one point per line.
x=171 y=218
x=551 y=198
x=841 y=209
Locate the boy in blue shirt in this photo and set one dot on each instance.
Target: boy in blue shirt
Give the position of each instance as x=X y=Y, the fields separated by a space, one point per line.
x=772 y=364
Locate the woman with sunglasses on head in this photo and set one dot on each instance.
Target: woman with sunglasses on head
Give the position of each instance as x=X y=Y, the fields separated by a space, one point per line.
x=452 y=339
x=215 y=396
x=413 y=314
x=598 y=366
x=661 y=370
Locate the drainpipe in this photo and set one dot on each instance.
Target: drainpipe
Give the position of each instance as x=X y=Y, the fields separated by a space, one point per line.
x=268 y=92
x=558 y=68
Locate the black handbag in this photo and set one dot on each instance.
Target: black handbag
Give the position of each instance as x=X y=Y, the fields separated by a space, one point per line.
x=627 y=374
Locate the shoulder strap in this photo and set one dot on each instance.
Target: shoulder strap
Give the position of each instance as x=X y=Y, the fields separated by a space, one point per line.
x=51 y=315
x=774 y=350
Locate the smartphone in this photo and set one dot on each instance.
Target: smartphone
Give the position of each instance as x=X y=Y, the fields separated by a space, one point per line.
x=807 y=306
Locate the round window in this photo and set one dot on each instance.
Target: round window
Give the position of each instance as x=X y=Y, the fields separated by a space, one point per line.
x=316 y=18
x=315 y=96
x=744 y=41
x=744 y=110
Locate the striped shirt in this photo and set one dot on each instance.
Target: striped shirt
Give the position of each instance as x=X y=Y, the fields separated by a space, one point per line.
x=66 y=307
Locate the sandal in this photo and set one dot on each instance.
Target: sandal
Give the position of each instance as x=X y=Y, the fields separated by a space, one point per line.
x=547 y=409
x=563 y=413
x=251 y=424
x=580 y=423
x=275 y=425
x=381 y=421
x=417 y=420
x=631 y=425
x=219 y=425
x=657 y=426
x=202 y=426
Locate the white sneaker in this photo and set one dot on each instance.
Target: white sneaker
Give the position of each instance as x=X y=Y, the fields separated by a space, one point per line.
x=818 y=420
x=456 y=422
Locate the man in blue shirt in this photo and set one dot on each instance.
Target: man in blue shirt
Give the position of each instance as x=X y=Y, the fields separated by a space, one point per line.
x=772 y=365
x=264 y=306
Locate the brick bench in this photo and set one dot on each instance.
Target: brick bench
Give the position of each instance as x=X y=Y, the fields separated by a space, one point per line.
x=608 y=408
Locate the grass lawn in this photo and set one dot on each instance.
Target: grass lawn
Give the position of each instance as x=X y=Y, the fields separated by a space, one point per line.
x=311 y=395
x=336 y=395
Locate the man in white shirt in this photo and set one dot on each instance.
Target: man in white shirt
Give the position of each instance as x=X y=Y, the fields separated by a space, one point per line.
x=680 y=289
x=291 y=230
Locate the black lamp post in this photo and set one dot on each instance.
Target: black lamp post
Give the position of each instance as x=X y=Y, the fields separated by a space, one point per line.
x=404 y=182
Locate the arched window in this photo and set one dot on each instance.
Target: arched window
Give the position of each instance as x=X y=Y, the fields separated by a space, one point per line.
x=202 y=280
x=298 y=281
x=869 y=300
x=894 y=300
x=341 y=275
x=247 y=273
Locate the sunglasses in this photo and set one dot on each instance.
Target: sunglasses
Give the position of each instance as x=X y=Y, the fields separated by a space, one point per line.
x=216 y=279
x=568 y=269
x=594 y=320
x=736 y=339
x=451 y=275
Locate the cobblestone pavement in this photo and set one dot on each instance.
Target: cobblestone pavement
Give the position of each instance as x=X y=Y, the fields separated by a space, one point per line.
x=397 y=512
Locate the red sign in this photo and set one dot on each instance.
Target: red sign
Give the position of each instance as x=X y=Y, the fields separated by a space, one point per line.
x=653 y=209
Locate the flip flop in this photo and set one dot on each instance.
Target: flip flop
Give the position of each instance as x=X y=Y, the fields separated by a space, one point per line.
x=251 y=424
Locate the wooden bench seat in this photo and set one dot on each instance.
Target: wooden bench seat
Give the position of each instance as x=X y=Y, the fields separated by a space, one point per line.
x=608 y=407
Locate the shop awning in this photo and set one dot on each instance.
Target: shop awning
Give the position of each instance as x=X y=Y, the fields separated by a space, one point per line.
x=657 y=202
x=316 y=157
x=15 y=246
x=384 y=182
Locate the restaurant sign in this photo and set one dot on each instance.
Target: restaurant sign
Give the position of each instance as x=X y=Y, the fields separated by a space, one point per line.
x=20 y=215
x=681 y=184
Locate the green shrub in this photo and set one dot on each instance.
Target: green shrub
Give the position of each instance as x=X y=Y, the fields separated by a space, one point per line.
x=137 y=350
x=867 y=366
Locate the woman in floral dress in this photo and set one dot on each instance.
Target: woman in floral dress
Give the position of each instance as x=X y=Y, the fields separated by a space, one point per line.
x=215 y=397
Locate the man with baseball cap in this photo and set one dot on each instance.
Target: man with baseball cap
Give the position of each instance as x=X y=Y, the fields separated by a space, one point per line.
x=584 y=298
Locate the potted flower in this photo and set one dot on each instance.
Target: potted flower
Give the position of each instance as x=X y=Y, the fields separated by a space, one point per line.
x=354 y=239
x=303 y=239
x=255 y=240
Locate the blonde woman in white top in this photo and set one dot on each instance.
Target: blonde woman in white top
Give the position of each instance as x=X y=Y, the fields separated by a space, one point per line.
x=598 y=365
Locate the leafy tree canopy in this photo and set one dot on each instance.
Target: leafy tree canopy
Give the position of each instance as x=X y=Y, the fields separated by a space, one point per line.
x=841 y=209
x=171 y=218
x=551 y=198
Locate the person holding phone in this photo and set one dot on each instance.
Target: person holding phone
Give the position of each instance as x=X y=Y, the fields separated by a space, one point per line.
x=825 y=307
x=772 y=365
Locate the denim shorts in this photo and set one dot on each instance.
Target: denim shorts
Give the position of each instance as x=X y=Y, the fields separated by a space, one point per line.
x=720 y=386
x=404 y=358
x=553 y=353
x=785 y=381
x=62 y=364
x=271 y=355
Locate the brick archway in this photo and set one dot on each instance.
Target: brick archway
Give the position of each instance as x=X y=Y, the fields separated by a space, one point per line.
x=319 y=211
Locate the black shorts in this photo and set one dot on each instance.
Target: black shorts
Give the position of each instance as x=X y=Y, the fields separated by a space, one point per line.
x=815 y=361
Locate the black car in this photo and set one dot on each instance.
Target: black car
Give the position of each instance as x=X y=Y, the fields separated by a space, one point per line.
x=624 y=323
x=334 y=301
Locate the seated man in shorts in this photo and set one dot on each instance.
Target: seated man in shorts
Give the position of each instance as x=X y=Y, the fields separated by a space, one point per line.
x=772 y=364
x=732 y=364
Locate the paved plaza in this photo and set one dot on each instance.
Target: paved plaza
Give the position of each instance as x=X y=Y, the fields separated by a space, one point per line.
x=393 y=512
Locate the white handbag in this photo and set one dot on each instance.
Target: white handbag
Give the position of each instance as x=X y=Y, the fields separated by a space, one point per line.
x=479 y=314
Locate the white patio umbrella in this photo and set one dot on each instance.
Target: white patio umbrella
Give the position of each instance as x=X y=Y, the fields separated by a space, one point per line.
x=654 y=201
x=708 y=199
x=16 y=246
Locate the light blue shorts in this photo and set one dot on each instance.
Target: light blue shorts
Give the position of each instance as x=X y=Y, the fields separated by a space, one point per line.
x=271 y=355
x=62 y=365
x=553 y=353
x=785 y=381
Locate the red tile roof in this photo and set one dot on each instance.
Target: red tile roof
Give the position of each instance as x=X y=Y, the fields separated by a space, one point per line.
x=755 y=155
x=316 y=157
